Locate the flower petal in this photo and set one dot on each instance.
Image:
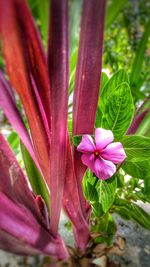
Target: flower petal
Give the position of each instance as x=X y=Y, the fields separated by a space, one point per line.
x=86 y=145
x=103 y=138
x=114 y=152
x=88 y=160
x=104 y=169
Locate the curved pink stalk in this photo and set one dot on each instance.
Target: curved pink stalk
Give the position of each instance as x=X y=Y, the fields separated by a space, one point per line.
x=59 y=74
x=89 y=63
x=137 y=120
x=12 y=180
x=22 y=218
x=71 y=203
x=87 y=80
x=20 y=223
x=25 y=62
x=7 y=103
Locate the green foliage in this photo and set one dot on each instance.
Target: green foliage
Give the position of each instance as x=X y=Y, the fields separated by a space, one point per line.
x=106 y=192
x=96 y=190
x=13 y=141
x=40 y=10
x=137 y=148
x=75 y=13
x=144 y=127
x=146 y=190
x=127 y=42
x=115 y=110
x=104 y=80
x=97 y=209
x=117 y=79
x=137 y=169
x=77 y=139
x=106 y=228
x=89 y=183
x=113 y=10
x=43 y=10
x=133 y=212
x=138 y=61
x=118 y=111
x=73 y=61
x=35 y=178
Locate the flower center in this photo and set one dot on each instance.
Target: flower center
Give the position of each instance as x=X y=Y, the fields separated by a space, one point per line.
x=96 y=153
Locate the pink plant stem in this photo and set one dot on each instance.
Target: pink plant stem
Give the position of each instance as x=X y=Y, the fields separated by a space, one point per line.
x=142 y=105
x=139 y=116
x=87 y=81
x=72 y=205
x=58 y=60
x=8 y=104
x=137 y=120
x=25 y=58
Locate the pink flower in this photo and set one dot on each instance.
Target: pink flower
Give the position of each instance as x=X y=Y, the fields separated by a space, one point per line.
x=102 y=156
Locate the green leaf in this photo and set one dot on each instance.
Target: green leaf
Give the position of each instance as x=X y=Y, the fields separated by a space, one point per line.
x=106 y=227
x=89 y=189
x=35 y=178
x=139 y=169
x=90 y=192
x=75 y=14
x=40 y=11
x=106 y=192
x=120 y=201
x=13 y=141
x=140 y=196
x=77 y=139
x=103 y=225
x=43 y=10
x=104 y=80
x=113 y=10
x=111 y=230
x=118 y=111
x=133 y=212
x=33 y=3
x=120 y=180
x=116 y=105
x=118 y=78
x=97 y=208
x=137 y=148
x=147 y=188
x=73 y=62
x=144 y=127
x=139 y=58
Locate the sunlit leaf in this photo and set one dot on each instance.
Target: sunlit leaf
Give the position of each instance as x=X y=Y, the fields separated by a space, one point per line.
x=106 y=192
x=137 y=148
